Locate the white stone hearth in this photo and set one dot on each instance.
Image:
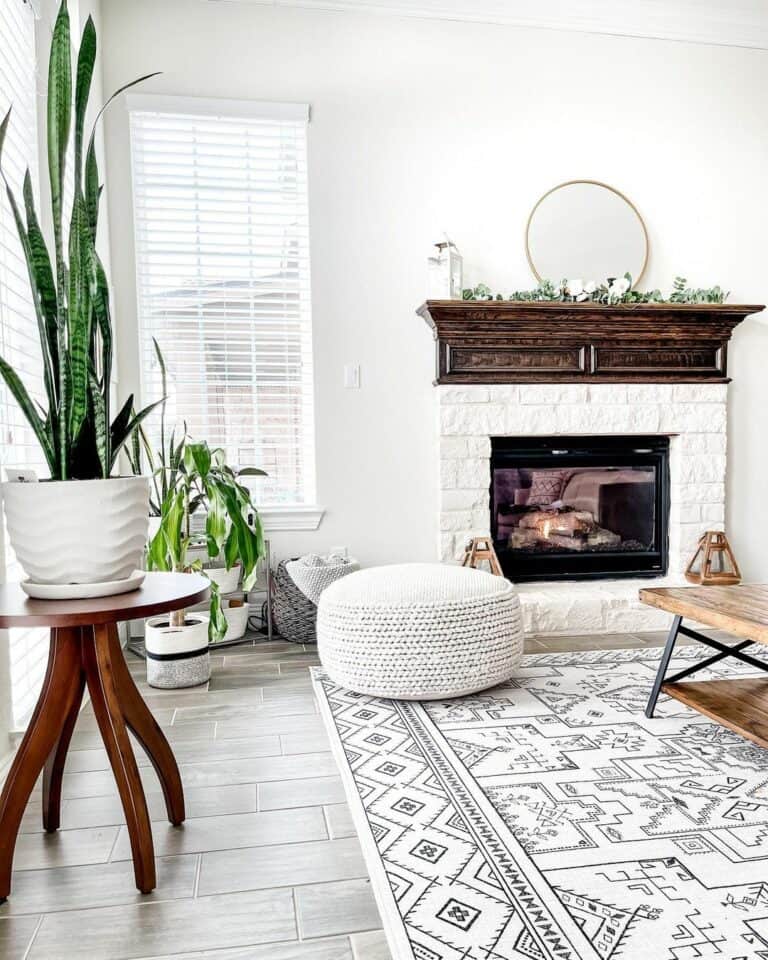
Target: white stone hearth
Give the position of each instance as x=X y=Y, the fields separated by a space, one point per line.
x=692 y=415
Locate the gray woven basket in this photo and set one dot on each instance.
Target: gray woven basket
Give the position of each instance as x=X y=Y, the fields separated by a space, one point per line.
x=293 y=615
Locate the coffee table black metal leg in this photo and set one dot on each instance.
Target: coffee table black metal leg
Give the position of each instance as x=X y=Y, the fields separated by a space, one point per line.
x=663 y=664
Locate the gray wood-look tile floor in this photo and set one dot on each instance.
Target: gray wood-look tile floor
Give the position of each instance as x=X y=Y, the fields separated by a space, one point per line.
x=267 y=865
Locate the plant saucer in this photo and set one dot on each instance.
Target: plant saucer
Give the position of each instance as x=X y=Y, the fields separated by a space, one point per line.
x=82 y=591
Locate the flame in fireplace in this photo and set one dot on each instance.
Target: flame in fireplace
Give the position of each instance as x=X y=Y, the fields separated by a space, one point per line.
x=546 y=528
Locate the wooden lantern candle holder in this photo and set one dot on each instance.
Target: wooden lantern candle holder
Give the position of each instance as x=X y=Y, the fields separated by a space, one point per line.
x=481 y=549
x=713 y=563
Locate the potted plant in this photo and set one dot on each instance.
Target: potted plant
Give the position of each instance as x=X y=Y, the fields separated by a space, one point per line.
x=163 y=463
x=233 y=541
x=82 y=527
x=166 y=464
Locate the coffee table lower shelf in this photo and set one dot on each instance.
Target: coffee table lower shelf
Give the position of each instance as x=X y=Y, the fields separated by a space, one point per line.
x=740 y=705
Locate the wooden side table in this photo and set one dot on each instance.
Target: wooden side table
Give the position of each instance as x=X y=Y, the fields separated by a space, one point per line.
x=85 y=650
x=741 y=704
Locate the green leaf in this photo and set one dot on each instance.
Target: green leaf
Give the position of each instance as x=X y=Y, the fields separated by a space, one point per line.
x=230 y=549
x=43 y=283
x=173 y=528
x=86 y=60
x=249 y=541
x=249 y=577
x=167 y=548
x=59 y=118
x=158 y=556
x=178 y=454
x=100 y=423
x=34 y=419
x=123 y=417
x=4 y=128
x=197 y=456
x=63 y=438
x=51 y=425
x=252 y=472
x=92 y=188
x=217 y=622
x=37 y=297
x=215 y=521
x=99 y=296
x=102 y=311
x=164 y=391
x=133 y=453
x=119 y=437
x=161 y=361
x=79 y=316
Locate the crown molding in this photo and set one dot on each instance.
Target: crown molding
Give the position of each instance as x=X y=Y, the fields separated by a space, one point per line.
x=735 y=23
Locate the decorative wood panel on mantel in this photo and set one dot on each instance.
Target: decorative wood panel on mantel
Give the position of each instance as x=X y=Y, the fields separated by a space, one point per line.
x=516 y=342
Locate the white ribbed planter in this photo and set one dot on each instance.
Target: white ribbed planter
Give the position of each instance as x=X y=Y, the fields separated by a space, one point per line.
x=226 y=579
x=78 y=532
x=237 y=622
x=177 y=656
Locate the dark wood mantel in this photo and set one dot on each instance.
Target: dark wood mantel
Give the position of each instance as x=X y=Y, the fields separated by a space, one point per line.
x=516 y=342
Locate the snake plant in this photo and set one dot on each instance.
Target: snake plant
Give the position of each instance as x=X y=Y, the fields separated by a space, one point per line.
x=78 y=436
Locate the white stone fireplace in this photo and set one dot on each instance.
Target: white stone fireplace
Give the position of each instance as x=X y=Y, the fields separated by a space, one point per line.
x=692 y=415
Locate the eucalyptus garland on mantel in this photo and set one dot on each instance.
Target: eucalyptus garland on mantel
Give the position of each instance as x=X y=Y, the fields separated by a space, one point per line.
x=615 y=290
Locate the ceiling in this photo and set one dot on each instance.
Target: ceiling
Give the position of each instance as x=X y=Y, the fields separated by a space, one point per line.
x=739 y=23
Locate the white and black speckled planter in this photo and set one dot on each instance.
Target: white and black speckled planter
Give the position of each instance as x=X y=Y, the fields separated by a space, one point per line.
x=177 y=656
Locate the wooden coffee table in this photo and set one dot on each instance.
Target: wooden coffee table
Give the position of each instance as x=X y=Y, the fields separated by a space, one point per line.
x=85 y=651
x=741 y=610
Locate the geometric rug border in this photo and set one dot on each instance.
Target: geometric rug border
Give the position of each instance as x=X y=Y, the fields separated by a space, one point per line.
x=392 y=922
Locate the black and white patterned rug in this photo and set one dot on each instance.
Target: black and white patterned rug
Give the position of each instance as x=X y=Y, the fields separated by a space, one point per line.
x=548 y=818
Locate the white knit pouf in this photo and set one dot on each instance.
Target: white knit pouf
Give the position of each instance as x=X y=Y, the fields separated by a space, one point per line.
x=419 y=631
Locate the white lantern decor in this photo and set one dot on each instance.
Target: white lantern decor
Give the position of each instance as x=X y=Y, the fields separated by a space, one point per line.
x=445 y=272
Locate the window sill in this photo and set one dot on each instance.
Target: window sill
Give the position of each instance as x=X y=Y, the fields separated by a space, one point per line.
x=297 y=517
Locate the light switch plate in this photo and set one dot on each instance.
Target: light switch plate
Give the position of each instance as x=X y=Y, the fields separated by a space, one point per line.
x=352 y=376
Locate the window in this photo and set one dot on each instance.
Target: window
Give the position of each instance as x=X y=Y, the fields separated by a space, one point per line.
x=222 y=264
x=18 y=327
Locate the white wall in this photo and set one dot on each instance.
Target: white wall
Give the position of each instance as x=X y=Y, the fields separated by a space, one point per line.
x=421 y=126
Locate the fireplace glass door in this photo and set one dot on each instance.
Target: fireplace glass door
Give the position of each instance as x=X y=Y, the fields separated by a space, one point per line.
x=580 y=507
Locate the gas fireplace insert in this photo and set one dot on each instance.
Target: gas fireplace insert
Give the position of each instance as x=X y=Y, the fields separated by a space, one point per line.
x=580 y=507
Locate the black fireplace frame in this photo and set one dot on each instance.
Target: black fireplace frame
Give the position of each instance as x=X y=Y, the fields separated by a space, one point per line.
x=591 y=451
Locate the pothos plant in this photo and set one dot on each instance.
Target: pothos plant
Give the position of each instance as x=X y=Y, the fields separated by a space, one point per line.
x=79 y=437
x=232 y=527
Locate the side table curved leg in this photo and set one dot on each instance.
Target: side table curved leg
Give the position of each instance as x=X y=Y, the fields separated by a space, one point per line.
x=58 y=696
x=105 y=698
x=53 y=772
x=147 y=731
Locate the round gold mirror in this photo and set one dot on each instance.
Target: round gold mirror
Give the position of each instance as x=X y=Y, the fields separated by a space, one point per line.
x=586 y=229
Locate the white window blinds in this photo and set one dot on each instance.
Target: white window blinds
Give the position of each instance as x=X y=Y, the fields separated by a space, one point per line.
x=19 y=344
x=222 y=263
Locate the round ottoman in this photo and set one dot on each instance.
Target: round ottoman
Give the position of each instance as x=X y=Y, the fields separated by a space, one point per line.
x=419 y=631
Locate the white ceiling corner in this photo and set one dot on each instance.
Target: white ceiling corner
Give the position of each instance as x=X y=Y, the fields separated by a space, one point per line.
x=738 y=23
